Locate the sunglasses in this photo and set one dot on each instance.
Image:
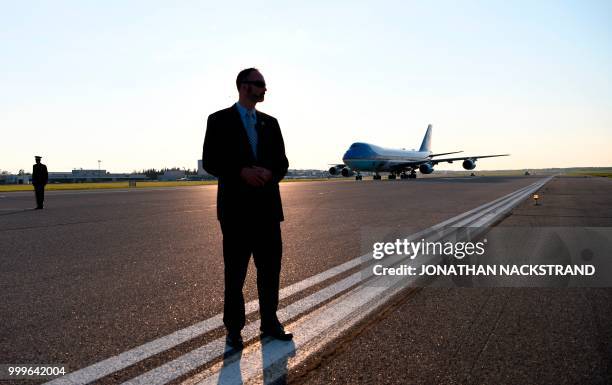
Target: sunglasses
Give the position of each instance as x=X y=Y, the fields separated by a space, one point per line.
x=257 y=83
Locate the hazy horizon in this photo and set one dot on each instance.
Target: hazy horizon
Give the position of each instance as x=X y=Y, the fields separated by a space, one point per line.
x=131 y=83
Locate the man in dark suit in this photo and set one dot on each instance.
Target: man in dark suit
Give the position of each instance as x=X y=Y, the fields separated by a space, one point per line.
x=40 y=177
x=244 y=148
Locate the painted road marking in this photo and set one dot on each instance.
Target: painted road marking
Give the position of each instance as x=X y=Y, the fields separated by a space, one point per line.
x=103 y=368
x=252 y=364
x=135 y=355
x=212 y=350
x=273 y=359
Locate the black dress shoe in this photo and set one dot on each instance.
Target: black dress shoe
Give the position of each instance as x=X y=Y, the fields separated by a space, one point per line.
x=278 y=334
x=234 y=340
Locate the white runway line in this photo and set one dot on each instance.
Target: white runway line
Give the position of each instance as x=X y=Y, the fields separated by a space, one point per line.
x=254 y=363
x=205 y=354
x=271 y=360
x=215 y=349
x=103 y=368
x=312 y=331
x=135 y=355
x=502 y=208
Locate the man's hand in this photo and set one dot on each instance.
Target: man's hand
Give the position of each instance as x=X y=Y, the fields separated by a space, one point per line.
x=252 y=176
x=264 y=173
x=256 y=176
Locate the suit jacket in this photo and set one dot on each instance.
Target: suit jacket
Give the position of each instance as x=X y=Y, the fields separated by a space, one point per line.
x=40 y=176
x=227 y=150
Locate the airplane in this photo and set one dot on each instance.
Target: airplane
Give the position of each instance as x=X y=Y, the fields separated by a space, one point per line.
x=368 y=157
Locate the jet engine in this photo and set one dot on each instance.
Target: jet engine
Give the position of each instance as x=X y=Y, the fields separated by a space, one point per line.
x=335 y=170
x=347 y=172
x=426 y=168
x=469 y=164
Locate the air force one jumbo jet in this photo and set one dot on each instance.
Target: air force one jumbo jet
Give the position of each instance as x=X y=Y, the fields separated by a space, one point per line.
x=368 y=157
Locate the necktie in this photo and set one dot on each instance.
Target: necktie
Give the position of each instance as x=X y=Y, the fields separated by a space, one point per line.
x=251 y=132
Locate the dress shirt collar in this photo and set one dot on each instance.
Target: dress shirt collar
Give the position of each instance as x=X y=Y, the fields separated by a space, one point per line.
x=243 y=111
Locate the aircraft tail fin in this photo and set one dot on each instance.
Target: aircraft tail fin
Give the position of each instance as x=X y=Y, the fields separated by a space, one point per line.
x=426 y=144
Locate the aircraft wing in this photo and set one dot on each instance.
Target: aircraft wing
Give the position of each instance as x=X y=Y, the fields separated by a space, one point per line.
x=414 y=165
x=451 y=160
x=445 y=153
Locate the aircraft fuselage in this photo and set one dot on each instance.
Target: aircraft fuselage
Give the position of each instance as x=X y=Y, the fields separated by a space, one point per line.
x=369 y=157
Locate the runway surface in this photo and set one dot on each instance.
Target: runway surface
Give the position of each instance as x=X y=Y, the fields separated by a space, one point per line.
x=443 y=335
x=99 y=272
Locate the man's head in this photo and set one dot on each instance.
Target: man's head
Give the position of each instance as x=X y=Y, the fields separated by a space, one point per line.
x=37 y=158
x=251 y=87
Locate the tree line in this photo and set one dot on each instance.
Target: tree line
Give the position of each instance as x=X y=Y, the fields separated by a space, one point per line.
x=153 y=173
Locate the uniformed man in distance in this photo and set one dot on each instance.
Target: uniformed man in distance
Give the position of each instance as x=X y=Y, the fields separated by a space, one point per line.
x=40 y=178
x=244 y=148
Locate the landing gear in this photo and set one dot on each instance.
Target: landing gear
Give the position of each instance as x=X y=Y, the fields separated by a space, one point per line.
x=391 y=176
x=358 y=177
x=412 y=175
x=376 y=177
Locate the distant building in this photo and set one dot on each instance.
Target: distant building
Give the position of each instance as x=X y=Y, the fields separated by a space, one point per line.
x=75 y=176
x=201 y=171
x=306 y=174
x=80 y=175
x=15 y=179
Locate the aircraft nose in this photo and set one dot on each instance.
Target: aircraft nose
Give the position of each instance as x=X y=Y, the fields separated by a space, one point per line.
x=348 y=154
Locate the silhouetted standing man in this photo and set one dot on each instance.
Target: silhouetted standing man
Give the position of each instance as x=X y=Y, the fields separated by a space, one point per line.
x=244 y=148
x=40 y=177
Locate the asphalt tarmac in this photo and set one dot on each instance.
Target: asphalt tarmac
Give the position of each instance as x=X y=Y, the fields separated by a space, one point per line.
x=442 y=335
x=99 y=272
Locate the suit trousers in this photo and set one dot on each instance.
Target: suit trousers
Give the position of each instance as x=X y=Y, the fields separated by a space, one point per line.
x=39 y=190
x=240 y=240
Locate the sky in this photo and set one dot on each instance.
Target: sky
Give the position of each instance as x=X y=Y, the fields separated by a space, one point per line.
x=131 y=83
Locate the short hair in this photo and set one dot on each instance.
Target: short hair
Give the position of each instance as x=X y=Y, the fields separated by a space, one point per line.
x=243 y=75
